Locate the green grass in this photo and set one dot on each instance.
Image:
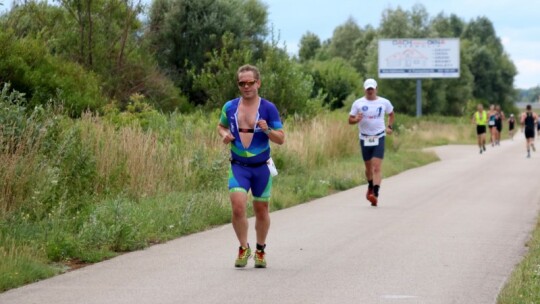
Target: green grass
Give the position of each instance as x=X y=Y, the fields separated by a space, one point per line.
x=81 y=191
x=523 y=287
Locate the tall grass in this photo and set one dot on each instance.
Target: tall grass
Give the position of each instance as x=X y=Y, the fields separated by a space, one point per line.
x=79 y=191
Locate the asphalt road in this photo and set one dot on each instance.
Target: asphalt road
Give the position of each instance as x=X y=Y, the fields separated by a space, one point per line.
x=449 y=232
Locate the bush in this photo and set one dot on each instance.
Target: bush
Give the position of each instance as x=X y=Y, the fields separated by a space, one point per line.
x=217 y=80
x=28 y=66
x=286 y=85
x=336 y=78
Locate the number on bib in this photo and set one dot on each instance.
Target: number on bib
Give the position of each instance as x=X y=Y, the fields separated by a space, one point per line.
x=371 y=141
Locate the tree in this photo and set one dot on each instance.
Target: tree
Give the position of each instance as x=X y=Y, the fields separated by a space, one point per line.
x=447 y=27
x=285 y=84
x=491 y=67
x=217 y=78
x=44 y=78
x=336 y=78
x=343 y=39
x=400 y=23
x=184 y=33
x=101 y=36
x=363 y=47
x=481 y=32
x=309 y=45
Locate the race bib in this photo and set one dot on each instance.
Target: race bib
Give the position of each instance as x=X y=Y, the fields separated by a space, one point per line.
x=371 y=141
x=492 y=122
x=272 y=167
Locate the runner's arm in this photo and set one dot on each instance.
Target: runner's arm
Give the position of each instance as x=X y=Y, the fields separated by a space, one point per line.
x=277 y=136
x=225 y=134
x=391 y=119
x=354 y=119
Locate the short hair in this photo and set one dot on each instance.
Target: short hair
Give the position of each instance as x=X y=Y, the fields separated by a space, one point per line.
x=249 y=68
x=529 y=107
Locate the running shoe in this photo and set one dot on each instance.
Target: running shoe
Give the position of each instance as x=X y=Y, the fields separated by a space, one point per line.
x=369 y=192
x=373 y=199
x=484 y=147
x=260 y=261
x=481 y=151
x=243 y=256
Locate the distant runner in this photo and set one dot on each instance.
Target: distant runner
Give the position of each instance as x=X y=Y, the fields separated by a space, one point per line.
x=538 y=127
x=368 y=112
x=492 y=117
x=511 y=126
x=248 y=124
x=529 y=120
x=499 y=118
x=480 y=119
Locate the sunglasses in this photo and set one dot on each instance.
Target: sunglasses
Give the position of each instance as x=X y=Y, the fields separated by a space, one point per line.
x=248 y=83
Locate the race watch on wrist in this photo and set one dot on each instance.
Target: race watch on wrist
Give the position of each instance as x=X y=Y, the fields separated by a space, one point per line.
x=268 y=131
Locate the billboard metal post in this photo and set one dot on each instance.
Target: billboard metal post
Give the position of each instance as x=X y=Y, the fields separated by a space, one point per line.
x=418 y=97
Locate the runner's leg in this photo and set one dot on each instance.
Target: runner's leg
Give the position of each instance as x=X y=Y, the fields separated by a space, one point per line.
x=239 y=219
x=376 y=164
x=262 y=221
x=369 y=169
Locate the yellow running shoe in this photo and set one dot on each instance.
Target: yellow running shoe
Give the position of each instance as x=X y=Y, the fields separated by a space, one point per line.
x=243 y=256
x=260 y=261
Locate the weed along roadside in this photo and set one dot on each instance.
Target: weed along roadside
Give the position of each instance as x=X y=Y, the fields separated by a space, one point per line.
x=84 y=190
x=523 y=286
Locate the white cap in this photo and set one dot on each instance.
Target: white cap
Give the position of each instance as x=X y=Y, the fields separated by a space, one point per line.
x=370 y=83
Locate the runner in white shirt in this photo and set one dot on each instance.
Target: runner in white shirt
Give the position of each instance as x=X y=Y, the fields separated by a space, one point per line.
x=369 y=112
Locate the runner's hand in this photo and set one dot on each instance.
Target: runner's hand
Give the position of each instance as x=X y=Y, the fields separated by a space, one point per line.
x=389 y=131
x=359 y=117
x=263 y=125
x=228 y=138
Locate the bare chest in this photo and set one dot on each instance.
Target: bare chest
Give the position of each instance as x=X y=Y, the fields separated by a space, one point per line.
x=247 y=116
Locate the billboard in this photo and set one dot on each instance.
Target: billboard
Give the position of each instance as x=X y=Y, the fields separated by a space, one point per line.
x=419 y=58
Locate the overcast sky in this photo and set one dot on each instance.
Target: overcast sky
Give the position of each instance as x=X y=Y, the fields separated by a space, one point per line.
x=517 y=23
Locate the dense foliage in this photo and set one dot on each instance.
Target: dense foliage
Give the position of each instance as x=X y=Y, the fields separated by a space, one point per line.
x=530 y=95
x=181 y=54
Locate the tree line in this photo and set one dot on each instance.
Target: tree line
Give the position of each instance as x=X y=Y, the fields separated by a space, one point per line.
x=179 y=55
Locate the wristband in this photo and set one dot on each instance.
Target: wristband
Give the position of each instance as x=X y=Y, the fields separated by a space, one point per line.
x=268 y=131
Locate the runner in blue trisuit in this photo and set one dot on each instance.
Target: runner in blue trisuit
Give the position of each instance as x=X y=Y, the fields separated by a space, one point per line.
x=248 y=124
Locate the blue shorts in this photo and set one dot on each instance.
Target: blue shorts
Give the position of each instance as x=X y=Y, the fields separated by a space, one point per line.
x=372 y=151
x=258 y=179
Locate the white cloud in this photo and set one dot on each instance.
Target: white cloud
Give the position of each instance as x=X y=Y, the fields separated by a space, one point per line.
x=506 y=41
x=529 y=73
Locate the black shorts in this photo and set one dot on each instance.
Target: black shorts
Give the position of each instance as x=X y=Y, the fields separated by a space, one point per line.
x=511 y=126
x=372 y=151
x=499 y=127
x=529 y=133
x=480 y=130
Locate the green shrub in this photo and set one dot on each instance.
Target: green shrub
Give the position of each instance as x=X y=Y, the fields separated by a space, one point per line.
x=286 y=85
x=336 y=78
x=43 y=78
